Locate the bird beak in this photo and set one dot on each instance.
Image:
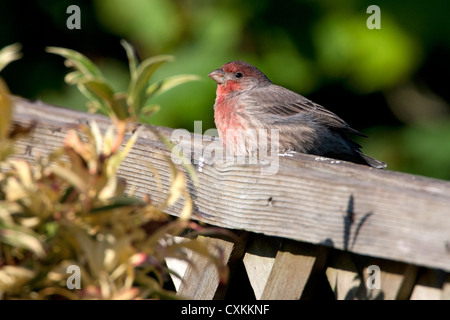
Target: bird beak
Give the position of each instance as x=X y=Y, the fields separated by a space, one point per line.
x=218 y=76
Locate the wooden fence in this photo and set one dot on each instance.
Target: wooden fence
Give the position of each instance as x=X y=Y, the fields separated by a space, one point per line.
x=317 y=228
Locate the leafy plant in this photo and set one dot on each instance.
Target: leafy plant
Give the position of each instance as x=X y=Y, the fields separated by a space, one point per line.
x=69 y=209
x=8 y=133
x=120 y=105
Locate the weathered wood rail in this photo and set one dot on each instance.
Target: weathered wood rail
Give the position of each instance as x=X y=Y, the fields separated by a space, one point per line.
x=322 y=216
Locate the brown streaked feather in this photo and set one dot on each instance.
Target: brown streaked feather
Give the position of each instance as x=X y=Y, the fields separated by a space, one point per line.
x=294 y=105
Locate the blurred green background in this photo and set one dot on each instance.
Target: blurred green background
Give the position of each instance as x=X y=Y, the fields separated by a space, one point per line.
x=391 y=83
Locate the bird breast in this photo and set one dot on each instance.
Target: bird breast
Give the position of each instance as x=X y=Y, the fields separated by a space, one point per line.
x=230 y=125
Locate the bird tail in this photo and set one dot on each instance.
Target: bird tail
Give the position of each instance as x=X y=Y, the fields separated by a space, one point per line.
x=372 y=161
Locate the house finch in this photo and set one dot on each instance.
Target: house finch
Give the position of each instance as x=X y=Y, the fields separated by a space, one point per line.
x=247 y=99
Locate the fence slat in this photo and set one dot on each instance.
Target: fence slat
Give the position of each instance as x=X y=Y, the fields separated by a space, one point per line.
x=201 y=279
x=409 y=274
x=395 y=279
x=259 y=260
x=429 y=285
x=445 y=295
x=343 y=276
x=293 y=266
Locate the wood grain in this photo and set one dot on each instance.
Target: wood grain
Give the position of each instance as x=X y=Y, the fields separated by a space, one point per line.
x=379 y=213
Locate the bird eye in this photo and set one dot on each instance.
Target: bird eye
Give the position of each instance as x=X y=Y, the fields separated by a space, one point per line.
x=238 y=75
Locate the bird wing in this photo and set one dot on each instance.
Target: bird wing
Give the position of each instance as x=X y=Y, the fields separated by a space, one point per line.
x=284 y=106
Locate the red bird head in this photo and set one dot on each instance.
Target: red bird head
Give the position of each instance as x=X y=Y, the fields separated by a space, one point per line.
x=238 y=76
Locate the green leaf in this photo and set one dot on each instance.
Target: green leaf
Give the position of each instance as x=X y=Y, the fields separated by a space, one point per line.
x=120 y=106
x=9 y=54
x=94 y=104
x=118 y=158
x=71 y=177
x=13 y=278
x=74 y=77
x=169 y=83
x=21 y=239
x=100 y=89
x=131 y=57
x=5 y=111
x=118 y=202
x=136 y=91
x=77 y=60
x=150 y=109
x=91 y=83
x=112 y=104
x=96 y=136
